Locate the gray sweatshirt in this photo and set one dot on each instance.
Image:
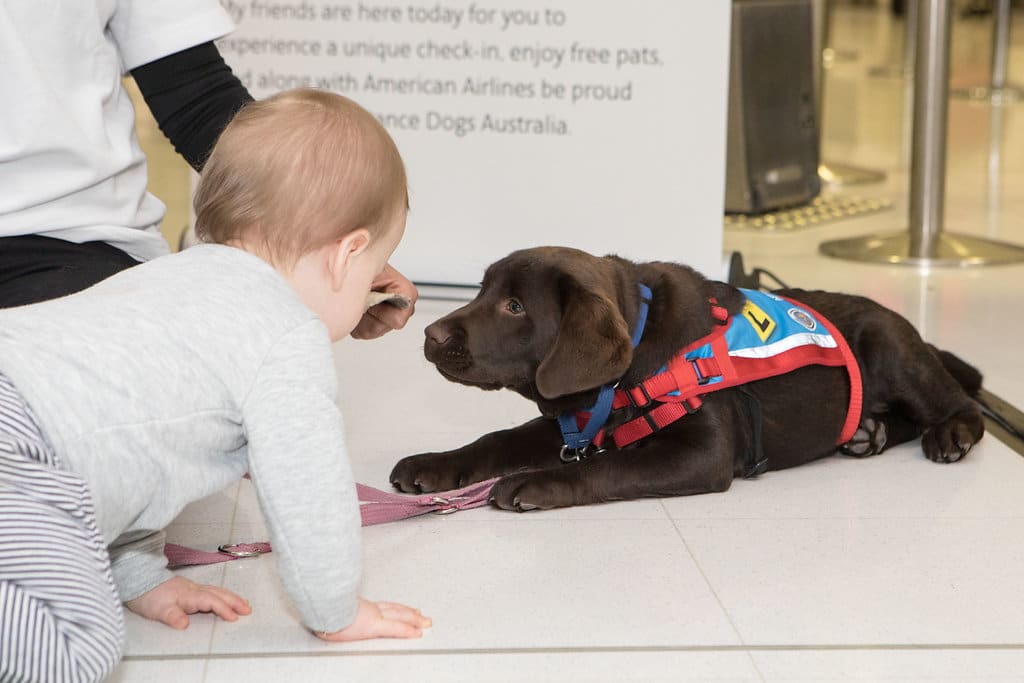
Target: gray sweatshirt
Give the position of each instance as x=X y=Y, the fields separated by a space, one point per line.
x=169 y=381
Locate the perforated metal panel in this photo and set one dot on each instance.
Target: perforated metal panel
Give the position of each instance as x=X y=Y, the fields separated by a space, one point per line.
x=823 y=209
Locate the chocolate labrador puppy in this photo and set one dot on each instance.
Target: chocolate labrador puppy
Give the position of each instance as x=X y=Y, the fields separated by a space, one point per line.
x=555 y=324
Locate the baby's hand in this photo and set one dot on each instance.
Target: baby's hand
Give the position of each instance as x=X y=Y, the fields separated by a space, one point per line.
x=380 y=620
x=173 y=600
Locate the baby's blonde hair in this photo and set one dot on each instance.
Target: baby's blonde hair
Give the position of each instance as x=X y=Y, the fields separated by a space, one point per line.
x=296 y=171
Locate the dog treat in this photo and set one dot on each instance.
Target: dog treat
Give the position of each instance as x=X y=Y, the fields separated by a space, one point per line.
x=393 y=298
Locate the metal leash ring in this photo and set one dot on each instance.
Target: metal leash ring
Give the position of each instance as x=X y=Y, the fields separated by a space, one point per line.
x=567 y=454
x=438 y=500
x=227 y=550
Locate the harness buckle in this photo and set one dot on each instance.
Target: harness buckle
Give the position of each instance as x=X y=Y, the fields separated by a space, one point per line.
x=643 y=390
x=701 y=378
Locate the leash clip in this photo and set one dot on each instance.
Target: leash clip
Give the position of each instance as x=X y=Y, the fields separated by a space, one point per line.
x=572 y=454
x=450 y=502
x=253 y=549
x=567 y=454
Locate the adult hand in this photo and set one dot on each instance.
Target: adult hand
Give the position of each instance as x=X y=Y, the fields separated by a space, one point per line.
x=380 y=620
x=173 y=600
x=384 y=317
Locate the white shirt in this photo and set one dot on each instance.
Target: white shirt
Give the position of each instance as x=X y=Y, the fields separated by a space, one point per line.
x=70 y=163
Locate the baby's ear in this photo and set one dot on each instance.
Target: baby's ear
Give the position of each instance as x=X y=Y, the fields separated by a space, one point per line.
x=341 y=254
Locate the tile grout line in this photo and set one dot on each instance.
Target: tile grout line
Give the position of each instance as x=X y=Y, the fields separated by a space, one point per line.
x=721 y=518
x=223 y=573
x=622 y=649
x=707 y=581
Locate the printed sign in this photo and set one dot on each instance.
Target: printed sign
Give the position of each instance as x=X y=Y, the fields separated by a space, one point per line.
x=598 y=125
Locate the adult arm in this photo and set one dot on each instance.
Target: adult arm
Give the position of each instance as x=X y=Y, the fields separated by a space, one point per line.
x=193 y=94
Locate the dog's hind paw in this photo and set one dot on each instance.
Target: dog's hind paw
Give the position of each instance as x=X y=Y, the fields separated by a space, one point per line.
x=951 y=440
x=869 y=439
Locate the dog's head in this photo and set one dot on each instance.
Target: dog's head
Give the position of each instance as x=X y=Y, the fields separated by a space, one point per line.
x=548 y=322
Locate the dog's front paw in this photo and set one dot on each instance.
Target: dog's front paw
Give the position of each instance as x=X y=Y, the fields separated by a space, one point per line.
x=531 y=491
x=870 y=438
x=951 y=440
x=429 y=472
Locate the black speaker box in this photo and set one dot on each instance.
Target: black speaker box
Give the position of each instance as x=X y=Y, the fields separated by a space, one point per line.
x=772 y=149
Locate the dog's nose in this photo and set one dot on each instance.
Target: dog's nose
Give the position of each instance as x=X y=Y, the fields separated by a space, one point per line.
x=437 y=334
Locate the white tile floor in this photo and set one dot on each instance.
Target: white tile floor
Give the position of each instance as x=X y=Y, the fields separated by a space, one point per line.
x=891 y=568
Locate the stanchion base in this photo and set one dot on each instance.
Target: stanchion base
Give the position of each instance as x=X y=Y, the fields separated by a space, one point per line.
x=893 y=71
x=831 y=55
x=952 y=250
x=832 y=173
x=1009 y=94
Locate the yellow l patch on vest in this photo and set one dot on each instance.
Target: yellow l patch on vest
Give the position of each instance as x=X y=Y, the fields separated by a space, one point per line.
x=761 y=321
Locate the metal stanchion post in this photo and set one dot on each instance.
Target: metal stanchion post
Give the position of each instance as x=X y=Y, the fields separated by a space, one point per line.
x=994 y=175
x=832 y=173
x=833 y=55
x=925 y=243
x=904 y=69
x=998 y=91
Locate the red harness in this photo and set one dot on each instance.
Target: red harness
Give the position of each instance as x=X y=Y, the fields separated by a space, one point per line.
x=678 y=389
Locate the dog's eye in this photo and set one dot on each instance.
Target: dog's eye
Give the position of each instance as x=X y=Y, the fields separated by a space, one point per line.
x=514 y=307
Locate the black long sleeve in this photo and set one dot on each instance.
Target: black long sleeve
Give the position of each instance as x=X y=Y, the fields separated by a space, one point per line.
x=193 y=94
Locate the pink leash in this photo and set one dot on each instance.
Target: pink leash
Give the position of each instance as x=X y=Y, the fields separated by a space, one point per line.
x=378 y=507
x=375 y=507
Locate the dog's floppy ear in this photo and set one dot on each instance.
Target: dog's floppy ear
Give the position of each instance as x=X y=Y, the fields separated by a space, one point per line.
x=592 y=347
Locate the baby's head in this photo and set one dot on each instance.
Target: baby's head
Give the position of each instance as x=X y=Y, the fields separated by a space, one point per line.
x=312 y=183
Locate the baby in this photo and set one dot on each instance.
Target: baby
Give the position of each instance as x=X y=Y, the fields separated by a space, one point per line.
x=123 y=403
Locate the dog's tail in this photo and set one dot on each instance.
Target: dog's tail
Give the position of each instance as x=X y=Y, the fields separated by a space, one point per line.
x=968 y=376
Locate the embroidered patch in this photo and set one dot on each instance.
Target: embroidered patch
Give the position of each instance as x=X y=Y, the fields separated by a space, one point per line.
x=761 y=322
x=802 y=318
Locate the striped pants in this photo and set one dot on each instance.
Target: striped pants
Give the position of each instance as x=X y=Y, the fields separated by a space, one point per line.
x=60 y=615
